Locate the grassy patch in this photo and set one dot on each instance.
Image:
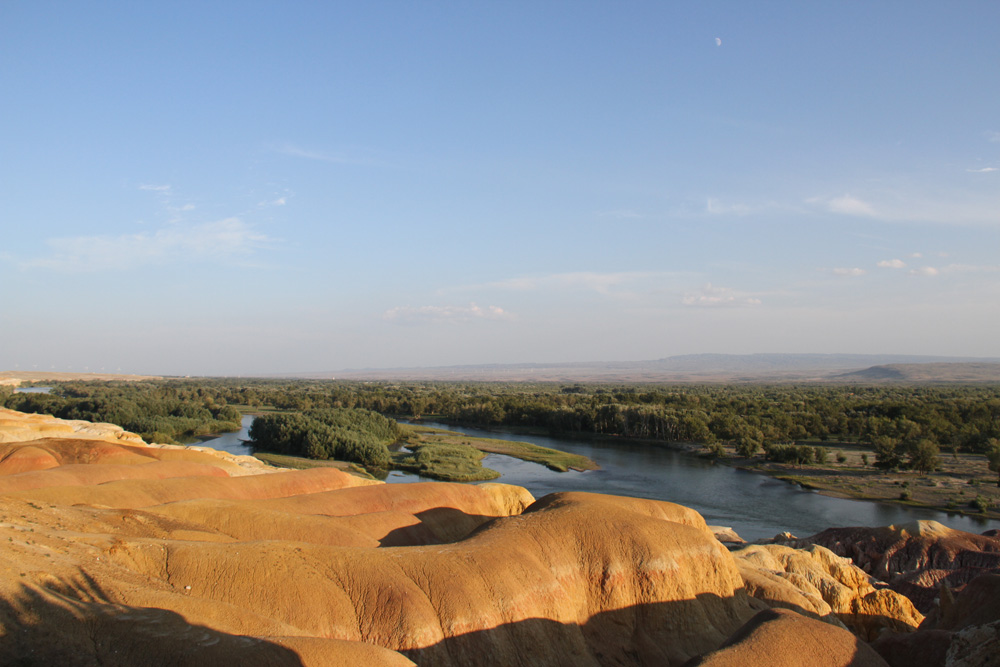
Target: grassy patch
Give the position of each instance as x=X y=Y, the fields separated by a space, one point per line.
x=550 y=458
x=448 y=463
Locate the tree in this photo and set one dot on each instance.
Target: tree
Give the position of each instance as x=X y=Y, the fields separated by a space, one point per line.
x=887 y=455
x=923 y=455
x=993 y=456
x=749 y=442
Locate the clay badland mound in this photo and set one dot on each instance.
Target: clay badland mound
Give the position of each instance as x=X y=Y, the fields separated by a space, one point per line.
x=781 y=638
x=119 y=553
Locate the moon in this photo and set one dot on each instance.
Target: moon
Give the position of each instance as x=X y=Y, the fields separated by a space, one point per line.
x=718 y=41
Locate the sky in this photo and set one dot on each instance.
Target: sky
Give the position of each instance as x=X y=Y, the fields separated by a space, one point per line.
x=235 y=188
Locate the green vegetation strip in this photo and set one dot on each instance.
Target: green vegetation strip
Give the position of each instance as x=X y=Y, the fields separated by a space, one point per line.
x=550 y=458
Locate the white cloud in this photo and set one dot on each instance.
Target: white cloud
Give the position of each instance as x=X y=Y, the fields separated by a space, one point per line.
x=155 y=188
x=407 y=314
x=892 y=264
x=280 y=201
x=292 y=150
x=849 y=272
x=710 y=296
x=916 y=255
x=924 y=271
x=984 y=170
x=993 y=136
x=174 y=244
x=848 y=205
x=716 y=207
x=718 y=41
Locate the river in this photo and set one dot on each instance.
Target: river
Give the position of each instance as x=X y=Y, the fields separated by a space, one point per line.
x=233 y=442
x=754 y=505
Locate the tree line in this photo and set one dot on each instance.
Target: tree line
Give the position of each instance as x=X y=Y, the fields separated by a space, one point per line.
x=905 y=425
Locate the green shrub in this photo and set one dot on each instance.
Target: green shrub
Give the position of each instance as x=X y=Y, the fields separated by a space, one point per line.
x=980 y=504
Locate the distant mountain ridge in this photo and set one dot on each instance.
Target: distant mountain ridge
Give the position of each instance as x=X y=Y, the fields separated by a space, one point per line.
x=763 y=367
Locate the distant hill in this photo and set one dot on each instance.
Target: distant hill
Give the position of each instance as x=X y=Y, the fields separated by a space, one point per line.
x=932 y=372
x=729 y=368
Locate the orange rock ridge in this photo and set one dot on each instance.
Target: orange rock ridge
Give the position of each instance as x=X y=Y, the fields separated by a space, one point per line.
x=120 y=553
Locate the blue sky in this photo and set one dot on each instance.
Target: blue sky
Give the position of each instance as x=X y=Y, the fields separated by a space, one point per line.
x=255 y=187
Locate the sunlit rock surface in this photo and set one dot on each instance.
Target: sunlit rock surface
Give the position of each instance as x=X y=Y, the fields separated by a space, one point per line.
x=116 y=552
x=915 y=558
x=816 y=582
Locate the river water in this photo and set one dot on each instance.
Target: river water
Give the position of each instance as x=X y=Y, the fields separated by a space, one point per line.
x=754 y=505
x=233 y=442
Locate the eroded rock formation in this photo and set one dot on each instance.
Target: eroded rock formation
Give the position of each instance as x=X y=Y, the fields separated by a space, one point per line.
x=120 y=553
x=816 y=582
x=915 y=558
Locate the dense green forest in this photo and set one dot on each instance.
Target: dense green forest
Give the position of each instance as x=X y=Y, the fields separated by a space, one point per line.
x=159 y=412
x=906 y=425
x=346 y=434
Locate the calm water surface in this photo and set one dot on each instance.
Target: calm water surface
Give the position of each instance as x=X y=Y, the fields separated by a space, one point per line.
x=233 y=442
x=754 y=505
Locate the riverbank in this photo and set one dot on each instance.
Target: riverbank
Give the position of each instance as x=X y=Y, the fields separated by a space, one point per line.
x=456 y=457
x=962 y=484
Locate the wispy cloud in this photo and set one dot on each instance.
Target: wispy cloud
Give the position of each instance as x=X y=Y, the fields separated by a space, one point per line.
x=292 y=150
x=929 y=271
x=849 y=272
x=710 y=296
x=410 y=314
x=602 y=283
x=984 y=170
x=970 y=268
x=155 y=188
x=716 y=207
x=892 y=264
x=849 y=205
x=173 y=244
x=993 y=136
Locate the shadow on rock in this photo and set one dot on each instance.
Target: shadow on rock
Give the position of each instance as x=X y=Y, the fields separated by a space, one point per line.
x=70 y=622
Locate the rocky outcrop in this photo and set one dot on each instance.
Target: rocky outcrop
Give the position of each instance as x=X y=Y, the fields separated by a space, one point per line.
x=916 y=558
x=962 y=632
x=816 y=582
x=19 y=427
x=39 y=442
